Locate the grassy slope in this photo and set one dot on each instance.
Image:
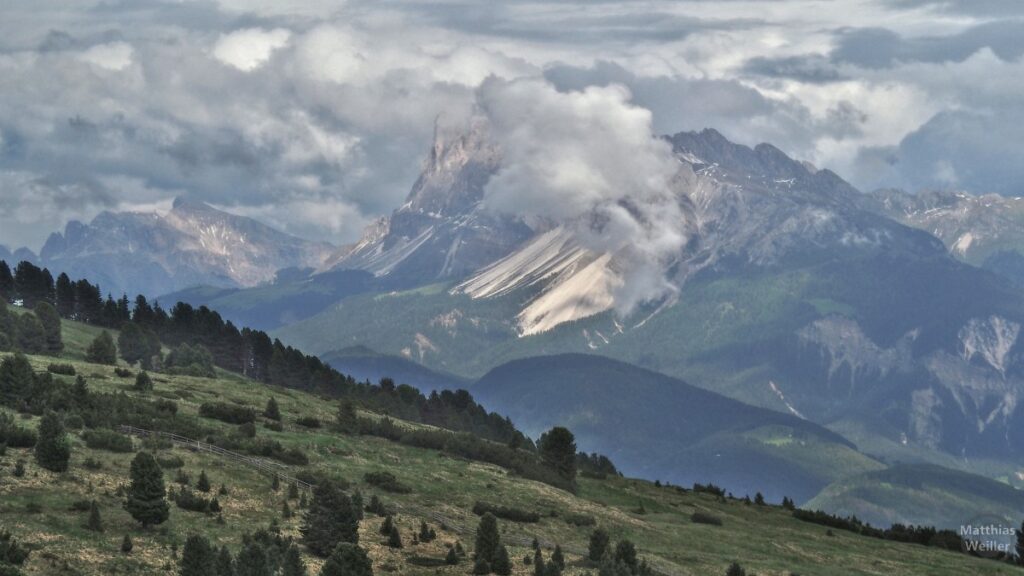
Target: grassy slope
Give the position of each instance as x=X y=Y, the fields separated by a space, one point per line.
x=765 y=539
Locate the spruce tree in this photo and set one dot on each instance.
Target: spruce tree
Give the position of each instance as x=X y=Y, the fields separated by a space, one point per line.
x=286 y=510
x=146 y=495
x=452 y=558
x=95 y=523
x=143 y=383
x=625 y=553
x=347 y=560
x=386 y=525
x=395 y=538
x=203 y=484
x=50 y=321
x=293 y=491
x=293 y=564
x=557 y=558
x=225 y=563
x=759 y=499
x=599 y=541
x=52 y=448
x=252 y=561
x=347 y=420
x=102 y=350
x=426 y=534
x=329 y=520
x=126 y=544
x=481 y=567
x=6 y=282
x=488 y=540
x=502 y=565
x=552 y=569
x=272 y=411
x=198 y=558
x=31 y=335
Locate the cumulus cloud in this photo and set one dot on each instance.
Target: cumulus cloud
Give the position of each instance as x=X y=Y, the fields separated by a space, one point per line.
x=248 y=49
x=589 y=159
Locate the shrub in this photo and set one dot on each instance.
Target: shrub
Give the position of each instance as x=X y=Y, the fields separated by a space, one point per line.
x=15 y=436
x=62 y=369
x=186 y=499
x=506 y=512
x=169 y=461
x=705 y=518
x=143 y=383
x=386 y=481
x=101 y=439
x=273 y=425
x=229 y=413
x=580 y=520
x=123 y=373
x=91 y=463
x=308 y=422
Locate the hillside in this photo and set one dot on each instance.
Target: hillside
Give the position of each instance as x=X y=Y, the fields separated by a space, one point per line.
x=37 y=507
x=654 y=426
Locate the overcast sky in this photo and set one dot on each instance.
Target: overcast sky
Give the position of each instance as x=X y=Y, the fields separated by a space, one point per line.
x=315 y=116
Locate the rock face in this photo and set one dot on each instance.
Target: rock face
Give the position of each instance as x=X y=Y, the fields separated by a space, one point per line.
x=192 y=244
x=442 y=231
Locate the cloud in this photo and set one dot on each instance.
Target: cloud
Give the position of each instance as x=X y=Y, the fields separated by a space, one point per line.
x=588 y=159
x=248 y=49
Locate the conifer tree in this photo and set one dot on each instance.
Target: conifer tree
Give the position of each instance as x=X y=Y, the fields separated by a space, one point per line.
x=102 y=350
x=50 y=321
x=452 y=558
x=347 y=419
x=599 y=541
x=225 y=563
x=203 y=484
x=502 y=566
x=387 y=525
x=394 y=538
x=347 y=559
x=293 y=564
x=330 y=520
x=31 y=334
x=293 y=491
x=52 y=448
x=759 y=499
x=481 y=567
x=146 y=495
x=538 y=563
x=95 y=523
x=1019 y=549
x=252 y=561
x=126 y=544
x=735 y=570
x=557 y=449
x=557 y=558
x=198 y=558
x=272 y=411
x=488 y=540
x=625 y=553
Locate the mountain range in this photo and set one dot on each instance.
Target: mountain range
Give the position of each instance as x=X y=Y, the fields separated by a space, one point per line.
x=852 y=331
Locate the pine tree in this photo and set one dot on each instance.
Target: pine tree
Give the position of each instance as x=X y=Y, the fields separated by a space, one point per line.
x=425 y=532
x=293 y=491
x=347 y=420
x=488 y=540
x=143 y=383
x=80 y=392
x=394 y=538
x=357 y=504
x=272 y=411
x=65 y=296
x=759 y=499
x=52 y=448
x=452 y=558
x=286 y=510
x=203 y=484
x=276 y=484
x=95 y=523
x=625 y=553
x=502 y=566
x=557 y=558
x=126 y=544
x=50 y=321
x=330 y=520
x=599 y=541
x=146 y=495
x=293 y=564
x=198 y=558
x=252 y=561
x=557 y=449
x=552 y=569
x=102 y=350
x=6 y=282
x=535 y=544
x=347 y=560
x=225 y=563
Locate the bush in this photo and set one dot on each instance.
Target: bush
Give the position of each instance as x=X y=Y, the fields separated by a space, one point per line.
x=186 y=499
x=386 y=481
x=705 y=518
x=273 y=425
x=62 y=369
x=109 y=440
x=308 y=422
x=124 y=373
x=229 y=413
x=169 y=461
x=506 y=512
x=580 y=519
x=15 y=436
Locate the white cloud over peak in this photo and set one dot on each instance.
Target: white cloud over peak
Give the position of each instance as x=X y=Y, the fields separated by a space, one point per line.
x=250 y=48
